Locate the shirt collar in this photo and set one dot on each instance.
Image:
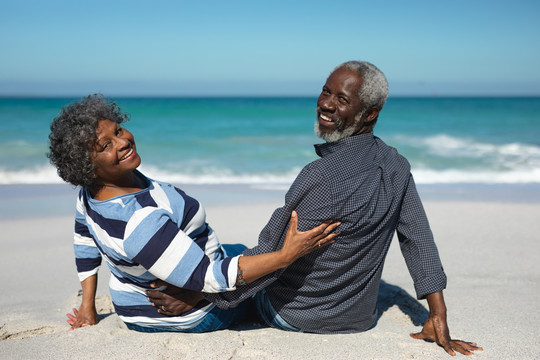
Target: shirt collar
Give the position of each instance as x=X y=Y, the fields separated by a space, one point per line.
x=358 y=141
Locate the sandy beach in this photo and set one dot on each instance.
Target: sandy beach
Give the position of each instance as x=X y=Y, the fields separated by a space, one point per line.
x=488 y=244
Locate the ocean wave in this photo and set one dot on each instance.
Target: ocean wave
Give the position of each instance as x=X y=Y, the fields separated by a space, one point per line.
x=46 y=174
x=446 y=153
x=222 y=176
x=454 y=176
x=444 y=145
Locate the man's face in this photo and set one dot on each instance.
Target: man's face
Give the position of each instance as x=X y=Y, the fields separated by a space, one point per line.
x=339 y=109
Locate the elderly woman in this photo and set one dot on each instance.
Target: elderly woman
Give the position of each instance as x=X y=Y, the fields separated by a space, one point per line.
x=148 y=230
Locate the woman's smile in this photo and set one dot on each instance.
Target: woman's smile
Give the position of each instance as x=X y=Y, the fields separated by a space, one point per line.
x=116 y=155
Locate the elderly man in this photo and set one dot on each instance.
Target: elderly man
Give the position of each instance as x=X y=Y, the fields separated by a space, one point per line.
x=367 y=185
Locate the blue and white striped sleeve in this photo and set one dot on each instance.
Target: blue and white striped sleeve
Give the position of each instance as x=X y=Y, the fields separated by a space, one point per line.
x=87 y=255
x=155 y=241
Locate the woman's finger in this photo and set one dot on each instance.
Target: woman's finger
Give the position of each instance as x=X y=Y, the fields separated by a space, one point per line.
x=326 y=231
x=293 y=223
x=326 y=242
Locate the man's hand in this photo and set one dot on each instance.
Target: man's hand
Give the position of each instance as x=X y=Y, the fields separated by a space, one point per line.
x=436 y=329
x=173 y=300
x=85 y=316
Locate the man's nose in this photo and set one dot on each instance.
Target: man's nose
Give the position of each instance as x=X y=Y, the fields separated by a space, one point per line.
x=327 y=103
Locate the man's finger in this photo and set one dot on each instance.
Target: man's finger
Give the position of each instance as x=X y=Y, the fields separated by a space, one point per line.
x=419 y=336
x=154 y=294
x=450 y=351
x=158 y=283
x=471 y=346
x=459 y=348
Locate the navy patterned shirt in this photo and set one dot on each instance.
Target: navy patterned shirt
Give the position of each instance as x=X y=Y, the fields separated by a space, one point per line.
x=366 y=185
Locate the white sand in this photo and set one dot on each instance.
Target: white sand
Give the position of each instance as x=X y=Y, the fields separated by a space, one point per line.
x=489 y=251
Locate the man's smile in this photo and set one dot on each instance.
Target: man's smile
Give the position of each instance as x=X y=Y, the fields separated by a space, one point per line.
x=326 y=118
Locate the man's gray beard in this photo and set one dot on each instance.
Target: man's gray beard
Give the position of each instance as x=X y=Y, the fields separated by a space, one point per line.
x=338 y=134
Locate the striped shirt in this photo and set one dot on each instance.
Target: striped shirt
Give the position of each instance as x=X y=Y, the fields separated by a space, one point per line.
x=156 y=233
x=366 y=185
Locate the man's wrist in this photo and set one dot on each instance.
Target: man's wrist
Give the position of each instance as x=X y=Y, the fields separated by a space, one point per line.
x=436 y=303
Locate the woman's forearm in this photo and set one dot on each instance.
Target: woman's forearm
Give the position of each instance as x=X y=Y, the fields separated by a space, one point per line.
x=251 y=268
x=89 y=287
x=296 y=245
x=87 y=314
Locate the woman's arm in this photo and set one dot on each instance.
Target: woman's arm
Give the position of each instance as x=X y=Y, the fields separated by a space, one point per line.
x=296 y=245
x=174 y=301
x=87 y=314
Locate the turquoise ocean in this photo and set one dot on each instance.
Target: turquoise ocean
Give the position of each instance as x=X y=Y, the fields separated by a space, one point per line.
x=266 y=141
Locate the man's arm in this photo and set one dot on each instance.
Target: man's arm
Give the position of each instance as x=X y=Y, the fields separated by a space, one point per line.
x=422 y=258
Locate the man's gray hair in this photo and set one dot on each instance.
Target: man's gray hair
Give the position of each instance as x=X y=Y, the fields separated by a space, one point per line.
x=374 y=89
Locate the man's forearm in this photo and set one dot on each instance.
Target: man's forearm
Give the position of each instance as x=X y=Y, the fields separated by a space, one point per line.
x=436 y=303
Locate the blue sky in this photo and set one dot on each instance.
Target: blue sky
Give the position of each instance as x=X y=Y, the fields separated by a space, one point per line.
x=163 y=47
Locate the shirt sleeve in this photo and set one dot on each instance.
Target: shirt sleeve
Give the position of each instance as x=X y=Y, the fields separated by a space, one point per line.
x=155 y=241
x=87 y=255
x=310 y=199
x=418 y=246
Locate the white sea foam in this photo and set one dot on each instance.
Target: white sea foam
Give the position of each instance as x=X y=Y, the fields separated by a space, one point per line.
x=514 y=172
x=45 y=174
x=221 y=176
x=449 y=146
x=454 y=176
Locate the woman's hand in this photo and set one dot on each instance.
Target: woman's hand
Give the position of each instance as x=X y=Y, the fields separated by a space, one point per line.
x=85 y=316
x=298 y=244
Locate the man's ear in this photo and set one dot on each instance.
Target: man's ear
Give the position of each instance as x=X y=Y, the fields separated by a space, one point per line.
x=371 y=115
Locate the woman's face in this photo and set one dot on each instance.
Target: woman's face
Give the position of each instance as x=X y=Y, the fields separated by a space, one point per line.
x=114 y=154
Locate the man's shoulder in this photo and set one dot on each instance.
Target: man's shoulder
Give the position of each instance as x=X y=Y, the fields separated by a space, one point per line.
x=390 y=154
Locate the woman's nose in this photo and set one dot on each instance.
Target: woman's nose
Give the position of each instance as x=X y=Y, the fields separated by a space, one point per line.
x=122 y=143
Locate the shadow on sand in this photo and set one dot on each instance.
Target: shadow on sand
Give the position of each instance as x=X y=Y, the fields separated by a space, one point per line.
x=390 y=295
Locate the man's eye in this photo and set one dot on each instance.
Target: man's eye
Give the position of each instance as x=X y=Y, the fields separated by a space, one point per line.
x=343 y=100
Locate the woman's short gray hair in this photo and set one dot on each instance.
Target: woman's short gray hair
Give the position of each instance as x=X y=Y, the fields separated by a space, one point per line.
x=73 y=134
x=374 y=90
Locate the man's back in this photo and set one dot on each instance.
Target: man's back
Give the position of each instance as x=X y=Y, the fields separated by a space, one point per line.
x=361 y=182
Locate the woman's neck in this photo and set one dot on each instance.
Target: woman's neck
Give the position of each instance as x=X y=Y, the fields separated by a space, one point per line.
x=127 y=186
